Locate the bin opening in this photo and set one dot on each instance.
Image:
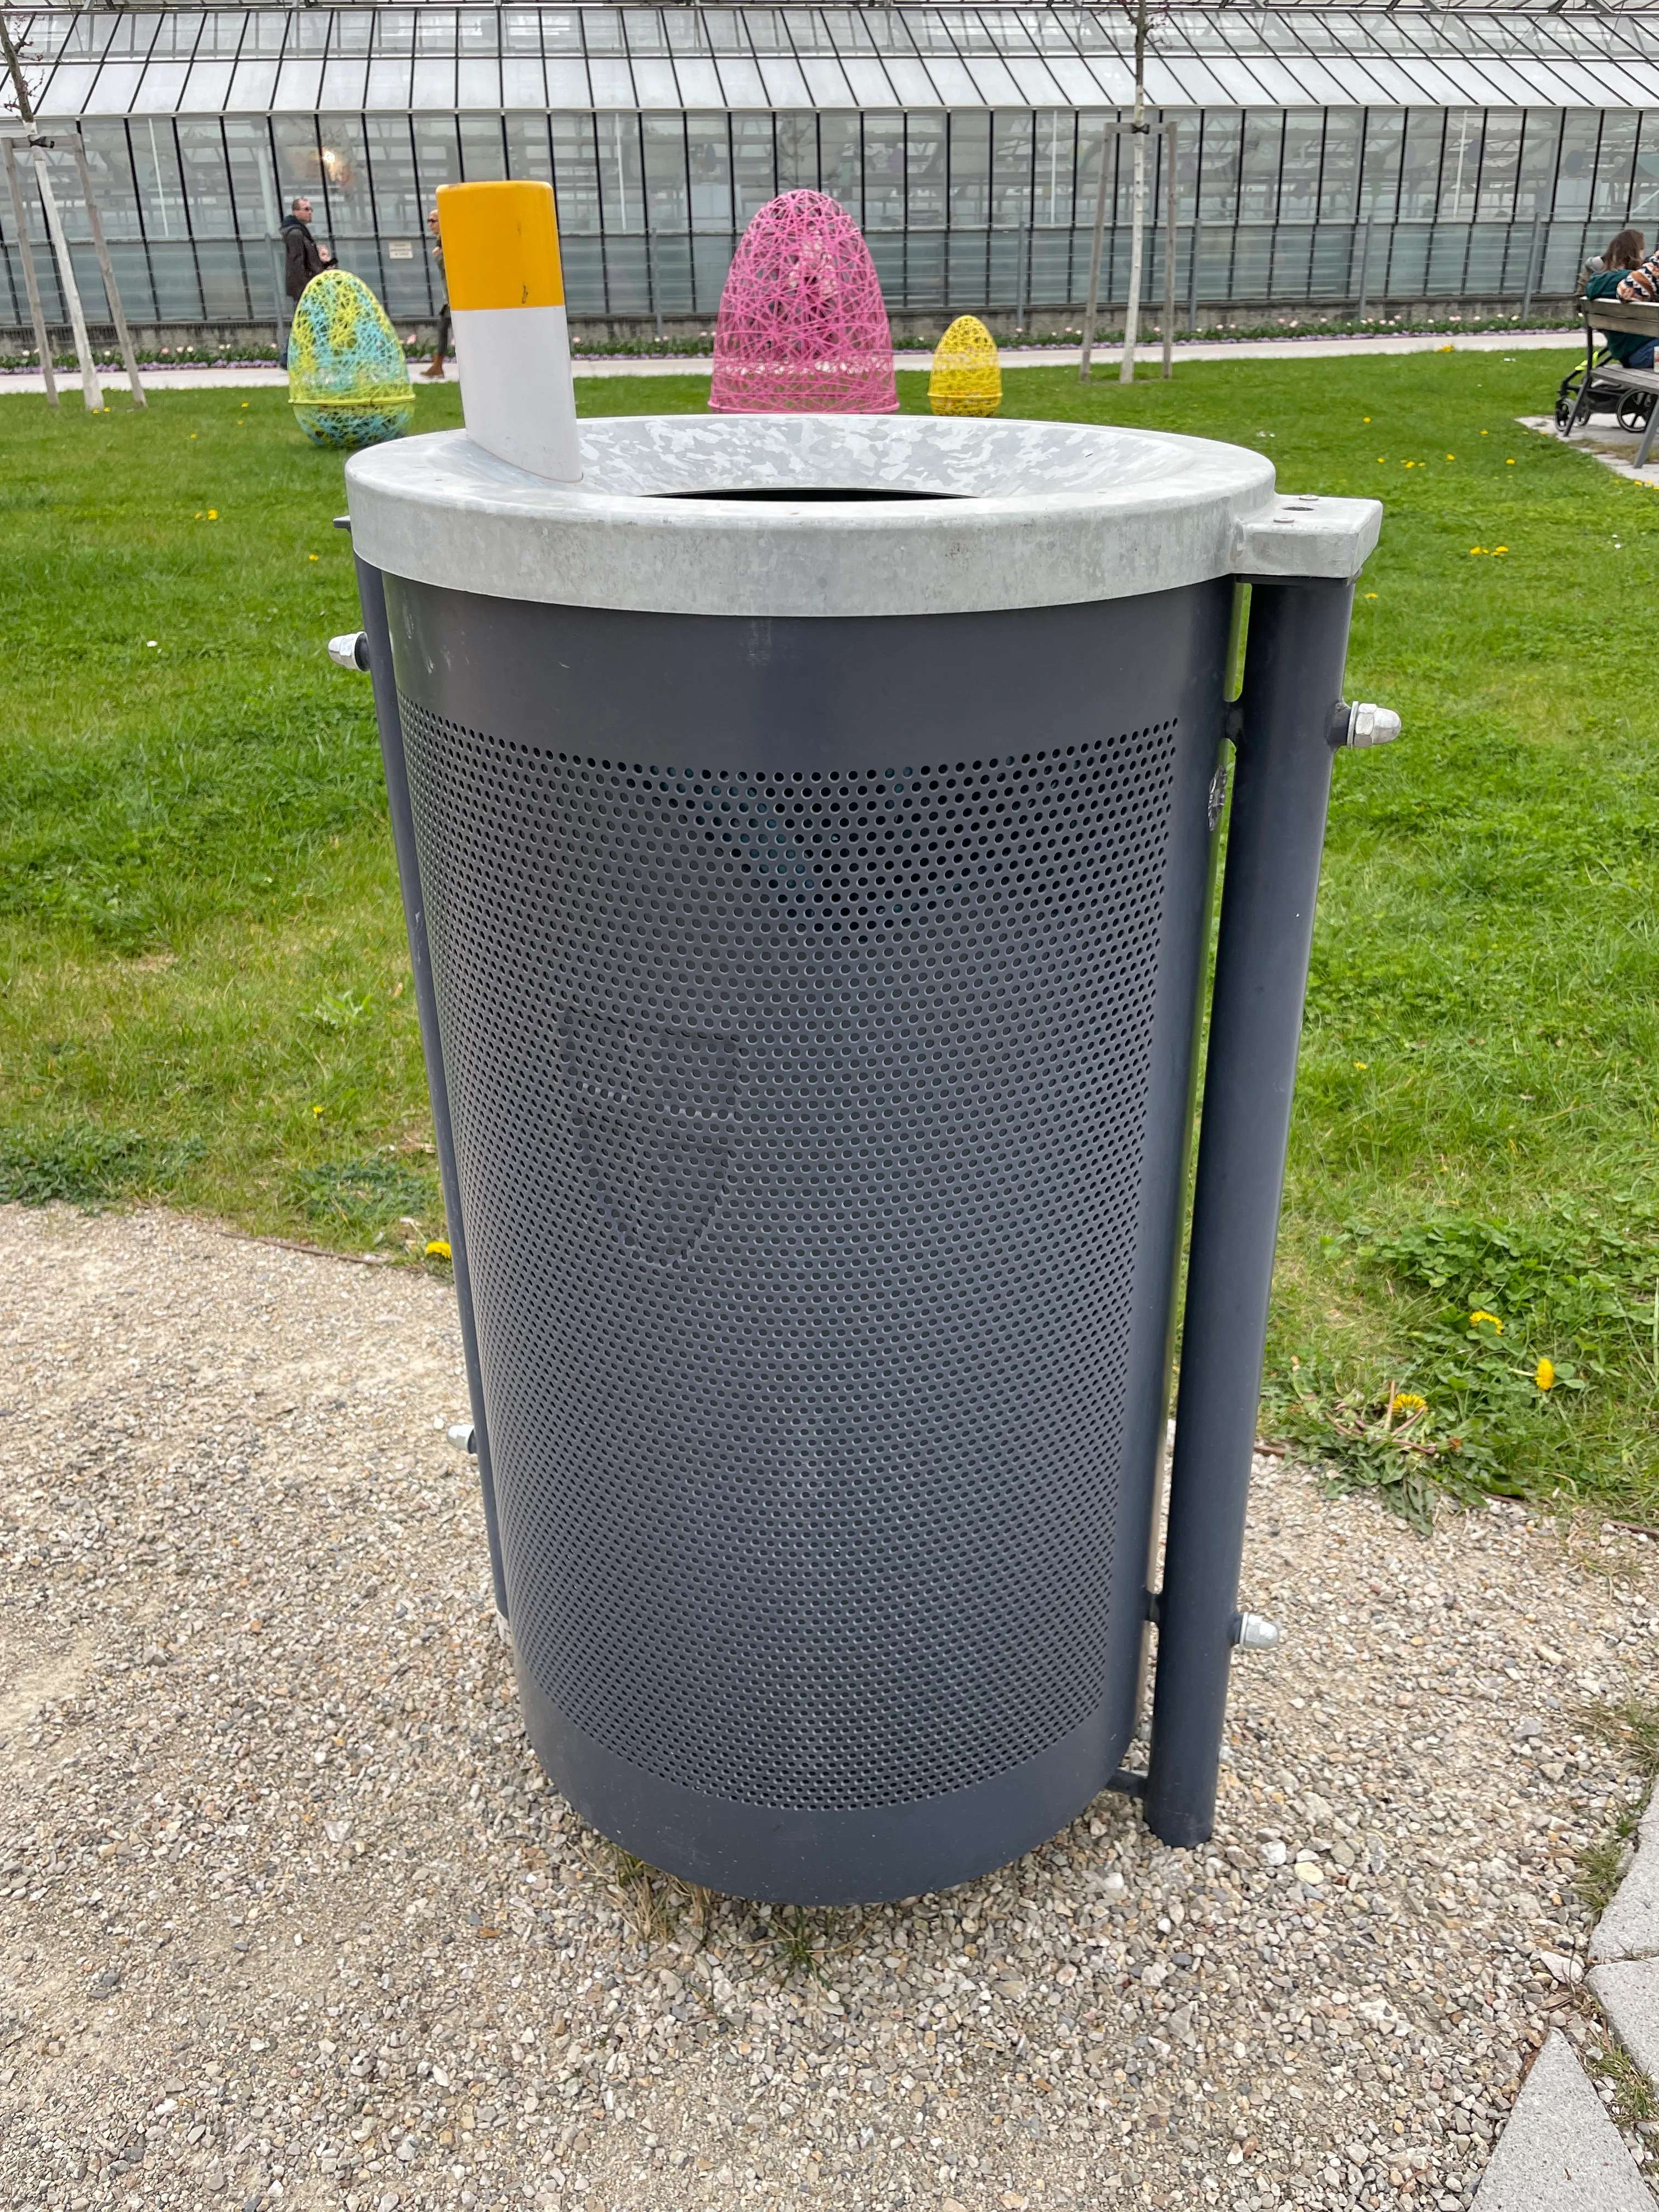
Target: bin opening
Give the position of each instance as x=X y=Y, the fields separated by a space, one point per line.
x=801 y=493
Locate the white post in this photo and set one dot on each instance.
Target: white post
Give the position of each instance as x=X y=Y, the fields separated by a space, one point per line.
x=1126 y=371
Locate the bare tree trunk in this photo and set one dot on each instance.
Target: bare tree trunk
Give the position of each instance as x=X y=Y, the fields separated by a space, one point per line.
x=1126 y=371
x=95 y=398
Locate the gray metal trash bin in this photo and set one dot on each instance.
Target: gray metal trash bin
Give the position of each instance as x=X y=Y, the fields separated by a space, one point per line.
x=805 y=825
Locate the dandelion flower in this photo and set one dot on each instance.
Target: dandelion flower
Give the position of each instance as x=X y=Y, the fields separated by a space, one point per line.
x=1370 y=595
x=1473 y=550
x=1362 y=1063
x=1544 y=1375
x=213 y=515
x=1500 y=549
x=1407 y=1401
x=1508 y=465
x=438 y=1250
x=311 y=557
x=1480 y=1315
x=1451 y=457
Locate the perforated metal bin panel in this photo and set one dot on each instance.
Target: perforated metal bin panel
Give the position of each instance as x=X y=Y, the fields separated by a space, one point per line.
x=818 y=1001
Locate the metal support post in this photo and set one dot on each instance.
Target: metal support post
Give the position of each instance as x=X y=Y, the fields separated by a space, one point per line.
x=1107 y=141
x=105 y=270
x=1194 y=248
x=281 y=306
x=652 y=282
x=1532 y=268
x=31 y=279
x=1171 y=239
x=1292 y=684
x=1365 y=268
x=372 y=592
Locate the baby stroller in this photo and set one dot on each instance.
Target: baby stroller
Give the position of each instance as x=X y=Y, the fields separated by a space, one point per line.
x=1584 y=393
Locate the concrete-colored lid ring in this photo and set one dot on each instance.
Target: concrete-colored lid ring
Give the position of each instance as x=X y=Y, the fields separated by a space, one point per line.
x=1019 y=514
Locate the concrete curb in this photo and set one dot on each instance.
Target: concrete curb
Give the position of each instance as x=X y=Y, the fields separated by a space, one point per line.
x=1561 y=2152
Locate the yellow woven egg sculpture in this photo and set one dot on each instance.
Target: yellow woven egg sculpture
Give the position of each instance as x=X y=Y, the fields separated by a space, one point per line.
x=967 y=377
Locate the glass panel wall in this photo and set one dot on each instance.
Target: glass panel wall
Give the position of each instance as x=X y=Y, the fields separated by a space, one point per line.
x=965 y=208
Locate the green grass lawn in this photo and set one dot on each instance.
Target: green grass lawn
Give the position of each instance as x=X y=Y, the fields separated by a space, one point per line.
x=205 y=982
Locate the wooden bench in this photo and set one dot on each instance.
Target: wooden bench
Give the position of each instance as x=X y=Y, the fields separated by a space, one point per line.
x=1599 y=317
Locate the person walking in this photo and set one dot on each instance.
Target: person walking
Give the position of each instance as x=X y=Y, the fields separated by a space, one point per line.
x=302 y=258
x=435 y=372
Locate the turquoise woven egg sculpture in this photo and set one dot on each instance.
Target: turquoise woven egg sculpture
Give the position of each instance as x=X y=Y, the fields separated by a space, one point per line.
x=348 y=381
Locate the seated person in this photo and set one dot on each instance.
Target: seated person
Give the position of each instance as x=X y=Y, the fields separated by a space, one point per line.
x=1632 y=274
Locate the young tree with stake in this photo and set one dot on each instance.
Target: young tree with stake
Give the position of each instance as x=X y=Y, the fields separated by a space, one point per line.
x=1140 y=132
x=23 y=104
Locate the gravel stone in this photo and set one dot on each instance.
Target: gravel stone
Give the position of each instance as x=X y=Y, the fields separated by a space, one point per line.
x=288 y=1915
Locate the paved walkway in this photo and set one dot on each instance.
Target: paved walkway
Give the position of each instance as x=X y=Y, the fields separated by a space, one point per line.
x=1106 y=358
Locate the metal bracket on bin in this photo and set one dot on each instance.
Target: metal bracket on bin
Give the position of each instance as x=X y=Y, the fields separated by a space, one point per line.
x=1302 y=538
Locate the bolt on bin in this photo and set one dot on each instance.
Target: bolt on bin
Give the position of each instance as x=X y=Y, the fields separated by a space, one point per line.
x=807 y=828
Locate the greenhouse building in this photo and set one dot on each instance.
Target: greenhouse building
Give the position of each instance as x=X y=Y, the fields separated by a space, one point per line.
x=1364 y=159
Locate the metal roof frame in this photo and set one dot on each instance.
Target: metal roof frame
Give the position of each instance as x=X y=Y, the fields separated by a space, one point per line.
x=587 y=57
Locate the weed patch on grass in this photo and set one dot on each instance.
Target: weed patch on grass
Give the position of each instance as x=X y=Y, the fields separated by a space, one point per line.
x=366 y=1197
x=79 y=1164
x=1508 y=1333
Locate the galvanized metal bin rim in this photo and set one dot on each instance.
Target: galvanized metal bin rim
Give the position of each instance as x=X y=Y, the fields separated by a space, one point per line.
x=944 y=516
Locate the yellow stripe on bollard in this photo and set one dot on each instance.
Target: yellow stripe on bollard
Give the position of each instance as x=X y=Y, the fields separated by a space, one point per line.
x=500 y=245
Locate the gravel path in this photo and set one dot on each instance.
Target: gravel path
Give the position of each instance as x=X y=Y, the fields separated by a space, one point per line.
x=287 y=1917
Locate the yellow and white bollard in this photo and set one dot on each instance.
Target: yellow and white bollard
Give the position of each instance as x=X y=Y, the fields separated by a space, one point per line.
x=501 y=247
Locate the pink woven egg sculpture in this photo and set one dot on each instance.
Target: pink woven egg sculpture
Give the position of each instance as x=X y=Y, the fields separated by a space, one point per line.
x=803 y=326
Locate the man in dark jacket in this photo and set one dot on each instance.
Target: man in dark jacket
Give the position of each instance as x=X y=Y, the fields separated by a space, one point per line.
x=303 y=258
